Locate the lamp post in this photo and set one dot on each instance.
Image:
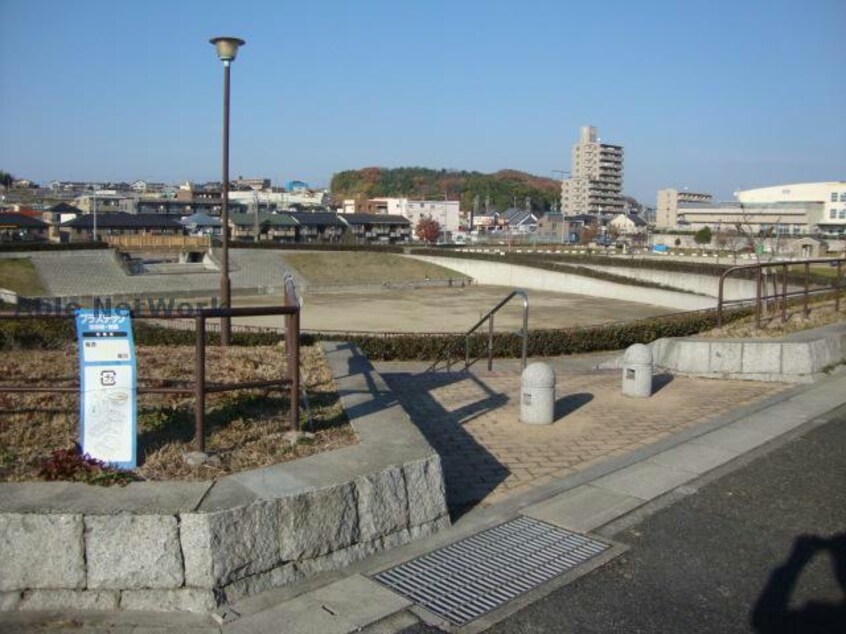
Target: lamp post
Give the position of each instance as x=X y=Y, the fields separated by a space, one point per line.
x=227 y=50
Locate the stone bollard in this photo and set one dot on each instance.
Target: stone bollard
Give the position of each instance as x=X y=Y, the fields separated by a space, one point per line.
x=637 y=371
x=537 y=395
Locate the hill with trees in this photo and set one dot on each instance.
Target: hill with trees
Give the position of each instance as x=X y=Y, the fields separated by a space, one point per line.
x=503 y=189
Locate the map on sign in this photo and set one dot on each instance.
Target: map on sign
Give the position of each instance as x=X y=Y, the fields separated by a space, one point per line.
x=108 y=383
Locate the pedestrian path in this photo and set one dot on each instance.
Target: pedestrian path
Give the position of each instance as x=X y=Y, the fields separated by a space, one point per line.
x=472 y=421
x=583 y=501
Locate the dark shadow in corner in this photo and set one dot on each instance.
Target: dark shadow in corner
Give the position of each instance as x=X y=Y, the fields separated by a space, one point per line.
x=660 y=381
x=471 y=472
x=772 y=613
x=570 y=403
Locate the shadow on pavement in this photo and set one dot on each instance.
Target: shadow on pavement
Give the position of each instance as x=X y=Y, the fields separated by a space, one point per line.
x=470 y=471
x=772 y=612
x=570 y=403
x=660 y=381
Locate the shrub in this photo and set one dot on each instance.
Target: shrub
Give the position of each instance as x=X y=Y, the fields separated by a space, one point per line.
x=14 y=247
x=75 y=466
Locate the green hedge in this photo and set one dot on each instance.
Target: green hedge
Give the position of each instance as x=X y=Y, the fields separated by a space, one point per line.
x=553 y=342
x=41 y=333
x=50 y=333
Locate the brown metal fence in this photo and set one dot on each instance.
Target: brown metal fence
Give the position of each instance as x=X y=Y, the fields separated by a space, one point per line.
x=200 y=387
x=780 y=280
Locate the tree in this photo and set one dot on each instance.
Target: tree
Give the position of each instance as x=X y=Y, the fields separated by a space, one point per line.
x=6 y=179
x=703 y=236
x=428 y=230
x=587 y=235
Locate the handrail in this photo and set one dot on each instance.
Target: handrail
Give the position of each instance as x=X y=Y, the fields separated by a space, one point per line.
x=489 y=317
x=760 y=297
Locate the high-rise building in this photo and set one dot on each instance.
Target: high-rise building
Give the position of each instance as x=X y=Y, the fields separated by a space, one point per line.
x=596 y=181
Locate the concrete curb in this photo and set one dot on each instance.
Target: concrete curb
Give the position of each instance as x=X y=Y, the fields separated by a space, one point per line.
x=796 y=358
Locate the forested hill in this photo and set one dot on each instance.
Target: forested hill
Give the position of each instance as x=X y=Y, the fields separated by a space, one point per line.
x=503 y=188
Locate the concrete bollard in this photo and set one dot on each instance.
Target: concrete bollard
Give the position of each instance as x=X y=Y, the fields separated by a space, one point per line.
x=637 y=371
x=537 y=395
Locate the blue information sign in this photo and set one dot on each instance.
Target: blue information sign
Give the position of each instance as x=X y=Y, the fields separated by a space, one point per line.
x=108 y=386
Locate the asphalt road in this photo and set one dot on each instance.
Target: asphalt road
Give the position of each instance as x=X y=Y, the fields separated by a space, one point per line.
x=760 y=549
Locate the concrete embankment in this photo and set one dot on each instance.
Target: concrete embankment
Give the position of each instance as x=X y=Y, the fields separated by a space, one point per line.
x=735 y=288
x=515 y=275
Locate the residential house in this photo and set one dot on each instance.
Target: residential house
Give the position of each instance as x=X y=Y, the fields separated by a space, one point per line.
x=56 y=215
x=201 y=224
x=275 y=227
x=628 y=224
x=16 y=227
x=81 y=229
x=318 y=227
x=488 y=222
x=556 y=228
x=519 y=220
x=378 y=228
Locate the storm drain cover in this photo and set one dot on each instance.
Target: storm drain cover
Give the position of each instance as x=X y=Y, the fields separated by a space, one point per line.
x=464 y=580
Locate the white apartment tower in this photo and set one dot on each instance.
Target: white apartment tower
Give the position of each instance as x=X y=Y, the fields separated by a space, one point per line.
x=596 y=181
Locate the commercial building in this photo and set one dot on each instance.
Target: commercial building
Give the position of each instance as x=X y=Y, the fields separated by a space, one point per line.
x=795 y=209
x=669 y=200
x=596 y=181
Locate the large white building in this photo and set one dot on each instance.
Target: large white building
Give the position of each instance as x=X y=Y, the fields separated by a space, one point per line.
x=795 y=209
x=596 y=181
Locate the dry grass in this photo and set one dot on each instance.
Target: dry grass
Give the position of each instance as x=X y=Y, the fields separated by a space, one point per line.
x=244 y=430
x=820 y=314
x=18 y=274
x=364 y=268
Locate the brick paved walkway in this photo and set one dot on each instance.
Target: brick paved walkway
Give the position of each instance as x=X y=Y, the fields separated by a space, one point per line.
x=471 y=419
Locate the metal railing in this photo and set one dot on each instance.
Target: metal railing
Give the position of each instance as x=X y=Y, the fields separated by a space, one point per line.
x=489 y=318
x=780 y=296
x=200 y=387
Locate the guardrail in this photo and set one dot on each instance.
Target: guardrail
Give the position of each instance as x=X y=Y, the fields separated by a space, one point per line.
x=781 y=296
x=200 y=388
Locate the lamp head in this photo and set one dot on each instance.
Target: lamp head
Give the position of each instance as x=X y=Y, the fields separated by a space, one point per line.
x=227 y=47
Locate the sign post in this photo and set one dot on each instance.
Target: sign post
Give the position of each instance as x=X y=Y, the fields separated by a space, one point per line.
x=108 y=425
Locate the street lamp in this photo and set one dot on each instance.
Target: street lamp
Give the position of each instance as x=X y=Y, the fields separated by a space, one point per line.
x=227 y=49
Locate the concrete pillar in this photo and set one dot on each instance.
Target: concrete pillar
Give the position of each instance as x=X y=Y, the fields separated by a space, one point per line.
x=537 y=395
x=637 y=371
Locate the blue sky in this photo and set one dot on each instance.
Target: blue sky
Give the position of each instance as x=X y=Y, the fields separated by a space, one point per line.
x=713 y=96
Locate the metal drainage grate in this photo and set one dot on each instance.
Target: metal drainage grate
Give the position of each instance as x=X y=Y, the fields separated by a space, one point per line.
x=464 y=580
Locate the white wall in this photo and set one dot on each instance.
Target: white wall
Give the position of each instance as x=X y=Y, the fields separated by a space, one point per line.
x=512 y=275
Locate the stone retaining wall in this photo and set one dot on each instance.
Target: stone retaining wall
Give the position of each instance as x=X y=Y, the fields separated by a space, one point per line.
x=195 y=546
x=795 y=358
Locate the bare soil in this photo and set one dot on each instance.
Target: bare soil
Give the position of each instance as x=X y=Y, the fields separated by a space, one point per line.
x=244 y=430
x=445 y=309
x=363 y=268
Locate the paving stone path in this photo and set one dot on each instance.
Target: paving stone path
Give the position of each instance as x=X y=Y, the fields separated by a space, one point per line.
x=471 y=419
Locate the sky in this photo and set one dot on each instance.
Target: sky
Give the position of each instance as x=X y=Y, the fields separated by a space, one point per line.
x=712 y=96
